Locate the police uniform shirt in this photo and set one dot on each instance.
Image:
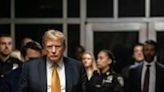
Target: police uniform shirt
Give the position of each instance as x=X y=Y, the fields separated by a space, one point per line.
x=8 y=65
x=107 y=82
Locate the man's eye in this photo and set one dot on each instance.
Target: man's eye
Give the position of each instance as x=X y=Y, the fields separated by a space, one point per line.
x=57 y=46
x=2 y=43
x=9 y=43
x=49 y=46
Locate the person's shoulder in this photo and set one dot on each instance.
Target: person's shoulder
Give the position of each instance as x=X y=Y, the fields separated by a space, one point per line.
x=134 y=67
x=34 y=61
x=15 y=60
x=159 y=65
x=116 y=76
x=160 y=69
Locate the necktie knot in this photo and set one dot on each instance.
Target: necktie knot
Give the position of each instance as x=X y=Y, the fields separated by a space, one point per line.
x=148 y=66
x=55 y=65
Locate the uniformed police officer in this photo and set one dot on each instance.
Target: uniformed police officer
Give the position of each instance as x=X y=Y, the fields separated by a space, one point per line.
x=7 y=63
x=106 y=80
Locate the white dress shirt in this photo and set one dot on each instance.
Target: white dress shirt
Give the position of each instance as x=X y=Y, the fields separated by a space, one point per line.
x=152 y=79
x=61 y=72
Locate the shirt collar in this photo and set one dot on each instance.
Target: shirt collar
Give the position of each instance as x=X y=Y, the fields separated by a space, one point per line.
x=137 y=63
x=151 y=63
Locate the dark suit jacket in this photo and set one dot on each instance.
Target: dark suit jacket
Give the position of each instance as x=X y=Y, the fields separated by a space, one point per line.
x=34 y=76
x=135 y=78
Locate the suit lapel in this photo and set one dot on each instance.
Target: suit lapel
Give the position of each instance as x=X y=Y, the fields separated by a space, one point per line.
x=42 y=74
x=68 y=74
x=139 y=75
x=158 y=76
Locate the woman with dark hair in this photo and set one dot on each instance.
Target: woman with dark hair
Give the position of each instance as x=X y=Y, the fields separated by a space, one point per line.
x=107 y=80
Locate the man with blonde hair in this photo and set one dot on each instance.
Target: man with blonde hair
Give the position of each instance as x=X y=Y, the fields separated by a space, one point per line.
x=53 y=72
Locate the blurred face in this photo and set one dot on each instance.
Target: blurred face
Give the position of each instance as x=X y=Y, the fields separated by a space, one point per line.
x=54 y=48
x=138 y=53
x=103 y=61
x=31 y=53
x=87 y=60
x=149 y=52
x=5 y=46
x=78 y=53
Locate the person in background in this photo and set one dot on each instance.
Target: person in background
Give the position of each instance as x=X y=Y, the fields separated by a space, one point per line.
x=78 y=51
x=7 y=63
x=148 y=76
x=138 y=58
x=31 y=50
x=89 y=62
x=138 y=54
x=53 y=72
x=107 y=80
x=17 y=54
x=25 y=41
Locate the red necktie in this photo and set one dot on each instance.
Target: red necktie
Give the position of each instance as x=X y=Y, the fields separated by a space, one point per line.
x=146 y=79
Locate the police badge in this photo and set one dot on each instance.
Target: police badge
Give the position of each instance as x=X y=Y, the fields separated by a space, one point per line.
x=120 y=80
x=108 y=79
x=15 y=66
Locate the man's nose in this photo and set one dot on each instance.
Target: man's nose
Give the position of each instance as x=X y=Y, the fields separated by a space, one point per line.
x=139 y=53
x=7 y=45
x=53 y=49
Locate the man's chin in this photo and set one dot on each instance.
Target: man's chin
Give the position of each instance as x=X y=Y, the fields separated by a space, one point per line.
x=149 y=60
x=54 y=59
x=6 y=54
